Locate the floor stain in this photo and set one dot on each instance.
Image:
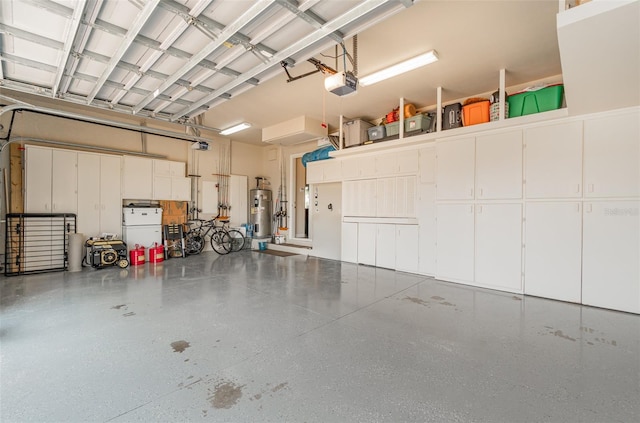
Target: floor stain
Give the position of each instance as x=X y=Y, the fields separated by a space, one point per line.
x=559 y=334
x=516 y=298
x=257 y=396
x=226 y=395
x=118 y=307
x=437 y=298
x=590 y=343
x=131 y=313
x=416 y=301
x=447 y=303
x=279 y=387
x=586 y=329
x=180 y=346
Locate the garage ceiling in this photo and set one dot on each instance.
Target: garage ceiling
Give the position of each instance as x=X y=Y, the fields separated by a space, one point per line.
x=169 y=58
x=175 y=59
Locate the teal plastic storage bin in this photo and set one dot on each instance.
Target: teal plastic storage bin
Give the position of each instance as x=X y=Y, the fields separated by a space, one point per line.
x=529 y=102
x=393 y=128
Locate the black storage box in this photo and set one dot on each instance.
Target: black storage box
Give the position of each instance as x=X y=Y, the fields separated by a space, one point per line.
x=452 y=117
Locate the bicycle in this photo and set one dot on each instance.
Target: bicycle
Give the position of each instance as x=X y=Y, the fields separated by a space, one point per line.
x=223 y=240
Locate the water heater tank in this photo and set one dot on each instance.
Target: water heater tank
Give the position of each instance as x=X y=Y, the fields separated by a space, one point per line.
x=260 y=216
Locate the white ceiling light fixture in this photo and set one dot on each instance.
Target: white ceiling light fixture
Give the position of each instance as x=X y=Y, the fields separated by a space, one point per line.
x=236 y=128
x=402 y=67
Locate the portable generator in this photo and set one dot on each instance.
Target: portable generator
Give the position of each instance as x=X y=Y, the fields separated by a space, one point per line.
x=102 y=252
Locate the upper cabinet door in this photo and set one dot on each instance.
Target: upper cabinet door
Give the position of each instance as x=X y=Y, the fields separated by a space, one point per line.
x=499 y=166
x=427 y=165
x=177 y=169
x=407 y=162
x=455 y=169
x=38 y=170
x=612 y=156
x=137 y=178
x=553 y=161
x=64 y=178
x=161 y=168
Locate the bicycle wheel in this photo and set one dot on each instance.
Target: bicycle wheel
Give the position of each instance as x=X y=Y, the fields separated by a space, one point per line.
x=237 y=240
x=194 y=244
x=221 y=242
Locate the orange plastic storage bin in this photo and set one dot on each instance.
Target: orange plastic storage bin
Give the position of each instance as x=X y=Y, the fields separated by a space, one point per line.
x=475 y=113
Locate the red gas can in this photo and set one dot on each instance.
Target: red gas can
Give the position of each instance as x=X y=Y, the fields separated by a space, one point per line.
x=136 y=255
x=156 y=254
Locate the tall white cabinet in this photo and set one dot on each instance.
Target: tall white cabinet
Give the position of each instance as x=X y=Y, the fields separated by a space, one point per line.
x=99 y=201
x=610 y=265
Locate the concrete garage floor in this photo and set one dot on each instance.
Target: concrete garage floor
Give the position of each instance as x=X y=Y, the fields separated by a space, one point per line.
x=251 y=337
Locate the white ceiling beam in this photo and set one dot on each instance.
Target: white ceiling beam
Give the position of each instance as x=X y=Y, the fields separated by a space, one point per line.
x=82 y=37
x=175 y=34
x=311 y=18
x=51 y=6
x=258 y=37
x=254 y=11
x=334 y=25
x=27 y=62
x=30 y=36
x=139 y=22
x=71 y=36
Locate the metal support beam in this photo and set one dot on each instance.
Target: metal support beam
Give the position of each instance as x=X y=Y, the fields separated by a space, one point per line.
x=82 y=37
x=73 y=31
x=30 y=36
x=141 y=19
x=254 y=11
x=311 y=18
x=334 y=25
x=28 y=62
x=51 y=6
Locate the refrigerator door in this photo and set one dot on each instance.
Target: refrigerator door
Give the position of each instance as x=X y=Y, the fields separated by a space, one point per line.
x=145 y=236
x=141 y=216
x=326 y=220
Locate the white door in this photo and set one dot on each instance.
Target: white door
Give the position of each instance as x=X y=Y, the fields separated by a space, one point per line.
x=162 y=188
x=38 y=171
x=64 y=181
x=349 y=244
x=553 y=250
x=611 y=247
x=89 y=191
x=426 y=214
x=407 y=247
x=612 y=156
x=386 y=245
x=110 y=195
x=553 y=161
x=455 y=169
x=367 y=197
x=405 y=201
x=326 y=221
x=498 y=260
x=350 y=198
x=407 y=162
x=367 y=243
x=455 y=242
x=499 y=166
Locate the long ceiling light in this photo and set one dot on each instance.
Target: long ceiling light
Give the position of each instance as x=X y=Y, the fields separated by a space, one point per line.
x=402 y=67
x=234 y=129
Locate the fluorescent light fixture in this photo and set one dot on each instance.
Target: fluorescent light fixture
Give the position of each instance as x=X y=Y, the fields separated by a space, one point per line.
x=234 y=129
x=402 y=67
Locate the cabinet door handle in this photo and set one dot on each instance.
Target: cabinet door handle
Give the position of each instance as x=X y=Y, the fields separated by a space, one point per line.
x=471 y=192
x=479 y=209
x=590 y=187
x=578 y=188
x=588 y=208
x=481 y=192
x=578 y=207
